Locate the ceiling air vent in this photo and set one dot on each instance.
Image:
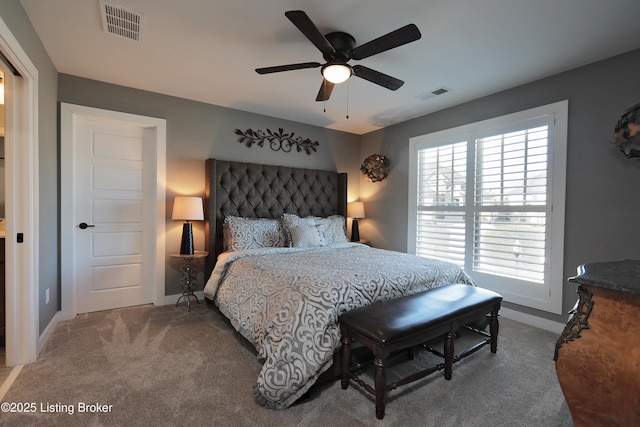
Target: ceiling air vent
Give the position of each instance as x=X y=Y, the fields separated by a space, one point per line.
x=435 y=92
x=120 y=21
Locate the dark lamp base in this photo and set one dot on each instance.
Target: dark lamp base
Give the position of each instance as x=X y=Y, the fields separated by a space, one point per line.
x=186 y=247
x=355 y=233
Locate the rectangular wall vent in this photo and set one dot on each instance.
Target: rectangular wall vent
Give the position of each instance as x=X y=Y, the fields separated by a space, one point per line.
x=120 y=21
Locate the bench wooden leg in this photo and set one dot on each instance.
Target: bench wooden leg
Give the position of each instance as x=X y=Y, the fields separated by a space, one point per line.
x=381 y=384
x=493 y=330
x=448 y=355
x=346 y=357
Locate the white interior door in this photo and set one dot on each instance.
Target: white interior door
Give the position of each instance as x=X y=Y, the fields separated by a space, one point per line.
x=115 y=189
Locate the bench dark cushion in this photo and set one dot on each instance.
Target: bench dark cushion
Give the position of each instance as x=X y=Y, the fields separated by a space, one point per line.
x=399 y=319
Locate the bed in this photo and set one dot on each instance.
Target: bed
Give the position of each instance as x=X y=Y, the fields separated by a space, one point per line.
x=282 y=271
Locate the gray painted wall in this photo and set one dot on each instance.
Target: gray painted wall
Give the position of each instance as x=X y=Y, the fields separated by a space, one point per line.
x=601 y=204
x=197 y=131
x=14 y=17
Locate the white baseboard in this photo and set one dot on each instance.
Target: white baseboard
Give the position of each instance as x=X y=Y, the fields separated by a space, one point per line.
x=48 y=331
x=528 y=319
x=172 y=299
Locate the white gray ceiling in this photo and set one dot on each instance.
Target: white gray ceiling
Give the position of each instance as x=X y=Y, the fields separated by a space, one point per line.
x=207 y=50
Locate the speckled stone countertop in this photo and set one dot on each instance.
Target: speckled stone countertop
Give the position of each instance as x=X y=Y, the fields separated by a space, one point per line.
x=621 y=276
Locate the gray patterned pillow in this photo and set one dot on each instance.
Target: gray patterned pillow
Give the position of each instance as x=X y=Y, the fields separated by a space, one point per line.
x=252 y=233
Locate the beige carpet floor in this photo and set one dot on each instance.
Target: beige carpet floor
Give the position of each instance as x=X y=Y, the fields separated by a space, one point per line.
x=163 y=366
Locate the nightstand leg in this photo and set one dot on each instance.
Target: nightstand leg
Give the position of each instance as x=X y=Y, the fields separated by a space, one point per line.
x=188 y=282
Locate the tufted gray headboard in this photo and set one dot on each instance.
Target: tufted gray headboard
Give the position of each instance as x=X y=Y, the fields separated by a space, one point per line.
x=266 y=191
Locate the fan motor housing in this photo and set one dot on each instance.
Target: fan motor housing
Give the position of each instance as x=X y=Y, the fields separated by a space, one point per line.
x=343 y=44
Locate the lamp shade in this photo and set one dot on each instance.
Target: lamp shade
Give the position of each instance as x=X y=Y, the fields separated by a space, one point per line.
x=355 y=210
x=187 y=208
x=336 y=73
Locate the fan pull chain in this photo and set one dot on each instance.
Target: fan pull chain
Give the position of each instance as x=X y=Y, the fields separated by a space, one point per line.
x=324 y=101
x=348 y=99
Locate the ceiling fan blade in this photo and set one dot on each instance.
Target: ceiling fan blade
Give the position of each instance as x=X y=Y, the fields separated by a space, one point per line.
x=325 y=90
x=308 y=28
x=288 y=67
x=407 y=34
x=377 y=77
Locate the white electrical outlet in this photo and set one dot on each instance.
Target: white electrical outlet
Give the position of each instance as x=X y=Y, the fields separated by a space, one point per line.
x=46 y=296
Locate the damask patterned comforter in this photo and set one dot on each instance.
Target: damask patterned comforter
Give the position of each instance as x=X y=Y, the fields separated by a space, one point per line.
x=286 y=302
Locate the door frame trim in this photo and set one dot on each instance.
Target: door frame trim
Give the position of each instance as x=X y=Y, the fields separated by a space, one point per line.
x=69 y=113
x=22 y=202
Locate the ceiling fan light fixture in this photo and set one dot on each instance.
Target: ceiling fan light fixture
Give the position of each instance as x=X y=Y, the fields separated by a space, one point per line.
x=336 y=73
x=338 y=48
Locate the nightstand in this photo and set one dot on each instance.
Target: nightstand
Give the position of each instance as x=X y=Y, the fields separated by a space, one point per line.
x=189 y=270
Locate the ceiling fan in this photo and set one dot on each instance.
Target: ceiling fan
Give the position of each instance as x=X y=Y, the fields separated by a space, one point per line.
x=338 y=48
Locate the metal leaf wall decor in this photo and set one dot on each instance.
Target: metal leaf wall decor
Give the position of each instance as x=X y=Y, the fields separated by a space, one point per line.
x=278 y=141
x=375 y=167
x=627 y=132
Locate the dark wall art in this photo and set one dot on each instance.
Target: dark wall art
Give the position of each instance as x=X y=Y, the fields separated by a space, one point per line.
x=375 y=167
x=627 y=132
x=277 y=141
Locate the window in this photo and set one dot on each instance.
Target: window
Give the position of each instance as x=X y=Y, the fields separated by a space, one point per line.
x=489 y=197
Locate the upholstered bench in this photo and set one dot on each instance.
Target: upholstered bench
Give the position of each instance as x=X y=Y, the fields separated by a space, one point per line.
x=406 y=322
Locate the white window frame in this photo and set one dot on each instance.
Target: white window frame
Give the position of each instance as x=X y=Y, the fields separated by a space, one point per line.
x=546 y=296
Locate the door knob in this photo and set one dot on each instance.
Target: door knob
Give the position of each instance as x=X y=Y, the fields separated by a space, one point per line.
x=84 y=225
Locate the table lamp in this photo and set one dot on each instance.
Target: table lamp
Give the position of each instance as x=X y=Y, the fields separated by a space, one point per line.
x=187 y=209
x=355 y=210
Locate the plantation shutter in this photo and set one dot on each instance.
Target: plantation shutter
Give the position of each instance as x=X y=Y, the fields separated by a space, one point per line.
x=511 y=203
x=489 y=196
x=440 y=222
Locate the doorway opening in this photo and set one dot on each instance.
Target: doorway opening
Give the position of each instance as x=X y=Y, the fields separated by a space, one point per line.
x=21 y=207
x=4 y=372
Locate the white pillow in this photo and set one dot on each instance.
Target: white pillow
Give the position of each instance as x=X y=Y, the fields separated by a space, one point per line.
x=333 y=229
x=306 y=236
x=314 y=231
